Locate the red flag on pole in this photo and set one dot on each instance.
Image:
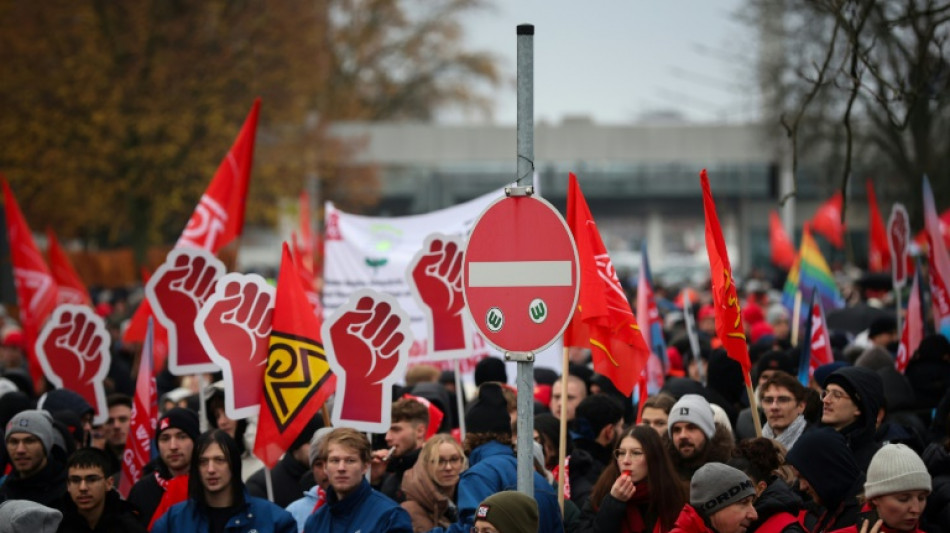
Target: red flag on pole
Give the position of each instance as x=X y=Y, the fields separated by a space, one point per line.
x=783 y=253
x=827 y=221
x=913 y=328
x=138 y=445
x=35 y=287
x=879 y=255
x=297 y=379
x=728 y=314
x=617 y=347
x=70 y=289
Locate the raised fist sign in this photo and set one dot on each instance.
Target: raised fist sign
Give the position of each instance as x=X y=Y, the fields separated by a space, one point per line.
x=435 y=275
x=234 y=328
x=367 y=344
x=177 y=290
x=73 y=349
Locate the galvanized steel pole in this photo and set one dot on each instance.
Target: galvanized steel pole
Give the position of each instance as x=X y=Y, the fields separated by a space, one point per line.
x=525 y=379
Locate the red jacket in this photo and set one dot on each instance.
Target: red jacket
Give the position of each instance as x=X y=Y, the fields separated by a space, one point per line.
x=689 y=521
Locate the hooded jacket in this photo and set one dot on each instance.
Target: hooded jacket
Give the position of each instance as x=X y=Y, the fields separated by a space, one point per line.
x=777 y=498
x=823 y=459
x=254 y=516
x=46 y=487
x=866 y=389
x=425 y=501
x=936 y=516
x=365 y=510
x=690 y=521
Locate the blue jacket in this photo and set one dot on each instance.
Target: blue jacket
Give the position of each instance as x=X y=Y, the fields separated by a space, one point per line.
x=302 y=509
x=494 y=468
x=365 y=510
x=257 y=515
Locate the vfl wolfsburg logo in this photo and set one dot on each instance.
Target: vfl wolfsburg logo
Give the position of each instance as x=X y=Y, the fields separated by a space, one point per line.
x=494 y=319
x=296 y=368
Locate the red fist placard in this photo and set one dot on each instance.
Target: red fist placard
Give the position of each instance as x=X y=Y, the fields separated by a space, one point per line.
x=177 y=290
x=234 y=327
x=73 y=349
x=367 y=345
x=435 y=275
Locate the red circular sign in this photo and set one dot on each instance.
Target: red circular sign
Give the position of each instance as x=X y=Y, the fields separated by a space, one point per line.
x=520 y=274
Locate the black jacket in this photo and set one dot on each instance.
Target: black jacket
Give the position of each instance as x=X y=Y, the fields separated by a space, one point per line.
x=860 y=435
x=777 y=498
x=118 y=516
x=146 y=495
x=47 y=487
x=392 y=482
x=584 y=473
x=936 y=518
x=289 y=479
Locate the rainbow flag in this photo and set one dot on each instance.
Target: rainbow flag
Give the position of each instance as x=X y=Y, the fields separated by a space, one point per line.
x=810 y=273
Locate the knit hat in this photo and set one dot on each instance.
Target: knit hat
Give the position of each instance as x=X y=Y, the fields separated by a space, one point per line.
x=883 y=324
x=775 y=360
x=35 y=422
x=179 y=418
x=318 y=436
x=64 y=400
x=896 y=468
x=823 y=371
x=25 y=516
x=488 y=413
x=695 y=409
x=510 y=512
x=490 y=369
x=716 y=486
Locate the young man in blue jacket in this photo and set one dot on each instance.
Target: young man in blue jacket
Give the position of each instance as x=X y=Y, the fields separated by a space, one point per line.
x=493 y=466
x=217 y=500
x=352 y=504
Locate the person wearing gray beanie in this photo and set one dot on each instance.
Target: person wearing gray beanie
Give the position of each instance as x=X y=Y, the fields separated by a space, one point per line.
x=694 y=437
x=24 y=516
x=37 y=475
x=897 y=487
x=694 y=409
x=315 y=496
x=720 y=499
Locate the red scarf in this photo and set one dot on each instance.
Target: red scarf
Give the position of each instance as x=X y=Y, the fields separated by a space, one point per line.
x=633 y=521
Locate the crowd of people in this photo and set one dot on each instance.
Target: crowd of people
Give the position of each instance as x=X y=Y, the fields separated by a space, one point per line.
x=859 y=448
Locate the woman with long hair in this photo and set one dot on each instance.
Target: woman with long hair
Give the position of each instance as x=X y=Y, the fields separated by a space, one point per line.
x=429 y=486
x=639 y=491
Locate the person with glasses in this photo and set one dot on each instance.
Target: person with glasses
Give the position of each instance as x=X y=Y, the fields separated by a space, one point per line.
x=853 y=405
x=429 y=487
x=783 y=399
x=217 y=499
x=38 y=471
x=93 y=504
x=352 y=504
x=639 y=491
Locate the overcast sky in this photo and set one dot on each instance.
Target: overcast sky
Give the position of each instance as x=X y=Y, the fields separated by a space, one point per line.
x=616 y=60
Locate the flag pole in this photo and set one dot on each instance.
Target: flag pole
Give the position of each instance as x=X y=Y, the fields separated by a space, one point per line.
x=202 y=408
x=270 y=484
x=459 y=392
x=562 y=434
x=796 y=316
x=753 y=406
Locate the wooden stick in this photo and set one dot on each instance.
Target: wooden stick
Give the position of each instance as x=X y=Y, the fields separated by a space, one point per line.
x=754 y=405
x=562 y=437
x=796 y=316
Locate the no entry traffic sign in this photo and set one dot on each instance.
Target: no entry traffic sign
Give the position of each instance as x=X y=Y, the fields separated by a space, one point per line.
x=520 y=274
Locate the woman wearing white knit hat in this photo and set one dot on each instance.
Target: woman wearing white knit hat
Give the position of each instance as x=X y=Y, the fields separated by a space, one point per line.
x=895 y=490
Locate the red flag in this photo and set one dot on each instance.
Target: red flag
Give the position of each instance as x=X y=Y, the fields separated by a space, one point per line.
x=138 y=445
x=297 y=380
x=783 y=253
x=728 y=314
x=617 y=347
x=219 y=217
x=70 y=289
x=819 y=340
x=827 y=221
x=879 y=255
x=913 y=328
x=35 y=287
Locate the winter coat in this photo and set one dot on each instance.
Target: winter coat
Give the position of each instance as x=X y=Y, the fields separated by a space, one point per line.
x=617 y=516
x=256 y=515
x=584 y=473
x=304 y=507
x=936 y=518
x=46 y=487
x=689 y=521
x=425 y=501
x=823 y=459
x=365 y=510
x=777 y=499
x=118 y=516
x=287 y=479
x=861 y=434
x=146 y=494
x=398 y=466
x=494 y=468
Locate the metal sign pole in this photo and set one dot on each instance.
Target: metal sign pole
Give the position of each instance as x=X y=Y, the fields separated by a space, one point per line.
x=525 y=169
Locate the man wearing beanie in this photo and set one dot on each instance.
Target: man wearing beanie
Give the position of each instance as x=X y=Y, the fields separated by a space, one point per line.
x=492 y=464
x=897 y=487
x=508 y=512
x=827 y=472
x=291 y=475
x=39 y=474
x=694 y=438
x=316 y=496
x=175 y=436
x=852 y=404
x=720 y=500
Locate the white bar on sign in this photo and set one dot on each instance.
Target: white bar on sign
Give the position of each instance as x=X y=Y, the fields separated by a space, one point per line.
x=520 y=274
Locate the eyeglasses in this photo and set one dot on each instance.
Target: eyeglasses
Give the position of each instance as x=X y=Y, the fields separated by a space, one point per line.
x=454 y=461
x=834 y=393
x=767 y=400
x=620 y=454
x=89 y=480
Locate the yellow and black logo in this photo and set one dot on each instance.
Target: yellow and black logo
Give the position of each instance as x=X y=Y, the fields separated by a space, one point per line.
x=296 y=369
